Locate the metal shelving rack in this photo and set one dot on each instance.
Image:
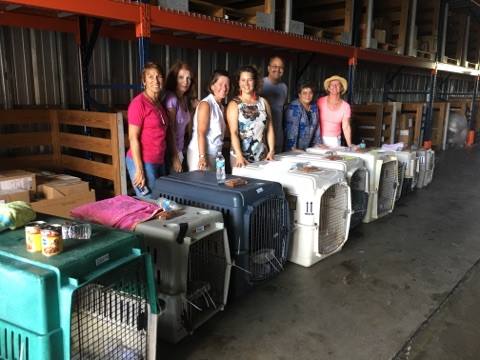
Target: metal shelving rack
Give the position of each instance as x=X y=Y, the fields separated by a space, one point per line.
x=147 y=24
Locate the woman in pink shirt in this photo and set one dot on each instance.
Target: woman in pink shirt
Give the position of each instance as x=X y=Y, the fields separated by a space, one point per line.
x=148 y=131
x=334 y=113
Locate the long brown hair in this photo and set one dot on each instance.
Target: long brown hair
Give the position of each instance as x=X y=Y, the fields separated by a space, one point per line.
x=171 y=83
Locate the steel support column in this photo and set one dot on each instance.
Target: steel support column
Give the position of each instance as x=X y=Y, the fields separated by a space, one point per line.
x=87 y=43
x=412 y=51
x=357 y=19
x=368 y=30
x=143 y=33
x=442 y=40
x=352 y=70
x=427 y=127
x=474 y=109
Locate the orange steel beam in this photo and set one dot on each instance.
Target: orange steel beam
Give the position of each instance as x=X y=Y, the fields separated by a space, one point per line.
x=108 y=9
x=37 y=22
x=386 y=58
x=202 y=24
x=48 y=23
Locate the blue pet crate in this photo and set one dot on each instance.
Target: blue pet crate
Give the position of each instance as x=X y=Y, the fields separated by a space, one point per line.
x=255 y=215
x=95 y=300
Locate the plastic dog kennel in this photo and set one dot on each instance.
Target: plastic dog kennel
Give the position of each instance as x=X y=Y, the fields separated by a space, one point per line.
x=191 y=259
x=355 y=172
x=320 y=204
x=255 y=216
x=382 y=168
x=95 y=300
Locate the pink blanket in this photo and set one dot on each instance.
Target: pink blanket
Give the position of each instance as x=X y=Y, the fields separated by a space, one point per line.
x=122 y=212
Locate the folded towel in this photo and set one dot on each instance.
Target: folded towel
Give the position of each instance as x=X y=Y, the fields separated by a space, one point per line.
x=122 y=212
x=395 y=147
x=15 y=214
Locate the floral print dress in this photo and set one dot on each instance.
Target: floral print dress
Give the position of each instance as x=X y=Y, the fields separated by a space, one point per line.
x=252 y=122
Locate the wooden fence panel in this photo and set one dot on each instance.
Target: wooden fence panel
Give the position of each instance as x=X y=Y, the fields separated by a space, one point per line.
x=89 y=143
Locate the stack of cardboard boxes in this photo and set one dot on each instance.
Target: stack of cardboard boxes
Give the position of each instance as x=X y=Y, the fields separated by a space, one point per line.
x=48 y=193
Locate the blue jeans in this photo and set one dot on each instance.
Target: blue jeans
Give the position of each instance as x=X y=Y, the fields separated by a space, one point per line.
x=152 y=173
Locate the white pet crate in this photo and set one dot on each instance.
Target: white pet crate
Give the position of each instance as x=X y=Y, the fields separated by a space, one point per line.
x=410 y=160
x=426 y=160
x=383 y=176
x=354 y=170
x=191 y=259
x=320 y=205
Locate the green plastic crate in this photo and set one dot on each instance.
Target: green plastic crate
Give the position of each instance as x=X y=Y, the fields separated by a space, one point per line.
x=94 y=300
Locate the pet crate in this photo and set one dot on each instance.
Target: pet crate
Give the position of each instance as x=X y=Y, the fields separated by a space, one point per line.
x=355 y=173
x=383 y=176
x=95 y=300
x=426 y=160
x=191 y=259
x=255 y=216
x=320 y=205
x=410 y=161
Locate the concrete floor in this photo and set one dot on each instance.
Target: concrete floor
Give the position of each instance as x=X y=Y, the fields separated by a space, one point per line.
x=404 y=287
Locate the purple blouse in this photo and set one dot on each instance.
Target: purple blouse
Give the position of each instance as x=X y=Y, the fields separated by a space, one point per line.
x=183 y=117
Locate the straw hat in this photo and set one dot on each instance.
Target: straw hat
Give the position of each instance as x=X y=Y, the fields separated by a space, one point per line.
x=342 y=80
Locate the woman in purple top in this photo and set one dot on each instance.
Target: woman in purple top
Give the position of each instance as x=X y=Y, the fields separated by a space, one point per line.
x=180 y=88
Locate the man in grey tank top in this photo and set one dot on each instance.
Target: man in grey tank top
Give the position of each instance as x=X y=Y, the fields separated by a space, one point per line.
x=275 y=91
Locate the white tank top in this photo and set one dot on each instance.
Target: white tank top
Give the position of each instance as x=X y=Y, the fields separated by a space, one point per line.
x=215 y=132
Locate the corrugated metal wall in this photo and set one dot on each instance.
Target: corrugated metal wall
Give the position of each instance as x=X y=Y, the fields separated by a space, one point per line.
x=40 y=68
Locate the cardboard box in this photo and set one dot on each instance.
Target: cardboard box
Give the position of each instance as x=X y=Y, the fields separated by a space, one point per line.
x=15 y=195
x=11 y=180
x=380 y=36
x=47 y=176
x=406 y=122
x=62 y=206
x=58 y=188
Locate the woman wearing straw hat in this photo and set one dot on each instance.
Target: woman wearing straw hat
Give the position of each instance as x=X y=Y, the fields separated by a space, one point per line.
x=334 y=113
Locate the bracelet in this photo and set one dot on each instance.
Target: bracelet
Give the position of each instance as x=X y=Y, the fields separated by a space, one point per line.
x=201 y=156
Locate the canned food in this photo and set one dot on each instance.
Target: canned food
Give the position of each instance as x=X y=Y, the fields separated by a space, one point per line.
x=33 y=236
x=52 y=242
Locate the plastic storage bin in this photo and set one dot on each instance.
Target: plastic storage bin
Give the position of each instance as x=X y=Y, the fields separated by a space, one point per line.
x=95 y=300
x=255 y=216
x=355 y=172
x=320 y=204
x=191 y=259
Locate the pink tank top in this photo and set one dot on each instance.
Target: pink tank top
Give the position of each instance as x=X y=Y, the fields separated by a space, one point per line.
x=331 y=120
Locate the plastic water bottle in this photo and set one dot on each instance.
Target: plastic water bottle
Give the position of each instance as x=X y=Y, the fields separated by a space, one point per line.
x=167 y=204
x=220 y=166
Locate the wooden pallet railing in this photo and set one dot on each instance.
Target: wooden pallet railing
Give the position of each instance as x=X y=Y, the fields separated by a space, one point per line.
x=88 y=143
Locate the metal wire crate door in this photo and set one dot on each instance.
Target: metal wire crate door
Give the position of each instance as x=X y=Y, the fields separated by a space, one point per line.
x=269 y=237
x=402 y=167
x=387 y=187
x=208 y=278
x=333 y=218
x=109 y=316
x=359 y=188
